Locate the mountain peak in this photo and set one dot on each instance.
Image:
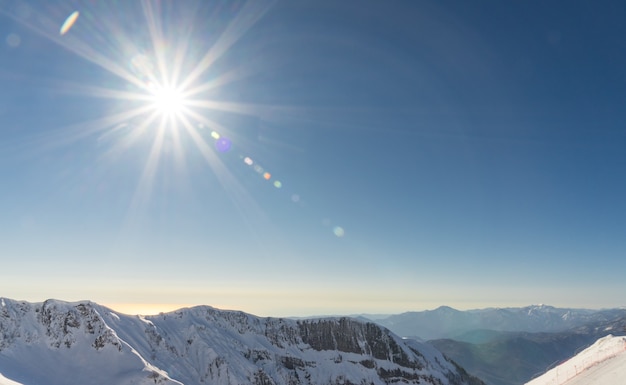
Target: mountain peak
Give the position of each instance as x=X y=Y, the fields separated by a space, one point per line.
x=446 y=322
x=40 y=343
x=446 y=309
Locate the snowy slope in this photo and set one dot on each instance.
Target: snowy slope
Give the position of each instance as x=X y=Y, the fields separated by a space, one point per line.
x=603 y=363
x=57 y=342
x=43 y=343
x=6 y=381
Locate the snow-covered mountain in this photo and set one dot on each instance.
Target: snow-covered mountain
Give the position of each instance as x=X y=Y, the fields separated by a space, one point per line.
x=446 y=322
x=61 y=343
x=513 y=358
x=603 y=363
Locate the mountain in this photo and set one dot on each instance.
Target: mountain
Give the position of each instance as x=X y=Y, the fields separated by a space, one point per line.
x=603 y=363
x=58 y=343
x=512 y=358
x=446 y=322
x=6 y=381
x=62 y=343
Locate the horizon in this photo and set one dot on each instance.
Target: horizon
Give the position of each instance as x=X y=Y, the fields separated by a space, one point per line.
x=152 y=309
x=173 y=307
x=317 y=157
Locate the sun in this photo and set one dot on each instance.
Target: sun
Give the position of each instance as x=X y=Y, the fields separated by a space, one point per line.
x=167 y=101
x=168 y=95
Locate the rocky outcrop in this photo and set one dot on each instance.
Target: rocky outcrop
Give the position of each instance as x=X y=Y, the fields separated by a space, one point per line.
x=203 y=345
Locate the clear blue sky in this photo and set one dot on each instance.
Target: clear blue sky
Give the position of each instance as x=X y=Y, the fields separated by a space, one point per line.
x=419 y=153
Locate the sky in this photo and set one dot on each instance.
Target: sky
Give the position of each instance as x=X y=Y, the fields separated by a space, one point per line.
x=293 y=158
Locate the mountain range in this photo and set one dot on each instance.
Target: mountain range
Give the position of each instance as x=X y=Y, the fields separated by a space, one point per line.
x=446 y=322
x=57 y=342
x=509 y=345
x=63 y=343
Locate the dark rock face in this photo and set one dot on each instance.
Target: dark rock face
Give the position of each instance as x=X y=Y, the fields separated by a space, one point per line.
x=203 y=345
x=351 y=336
x=60 y=324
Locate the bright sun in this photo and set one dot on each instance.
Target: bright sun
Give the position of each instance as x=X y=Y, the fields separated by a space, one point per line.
x=167 y=101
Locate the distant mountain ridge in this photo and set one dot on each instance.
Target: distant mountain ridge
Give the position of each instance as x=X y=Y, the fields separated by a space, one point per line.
x=62 y=343
x=446 y=322
x=513 y=358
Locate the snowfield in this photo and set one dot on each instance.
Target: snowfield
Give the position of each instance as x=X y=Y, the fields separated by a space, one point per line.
x=603 y=363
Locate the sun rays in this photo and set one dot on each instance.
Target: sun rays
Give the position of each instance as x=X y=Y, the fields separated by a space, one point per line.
x=168 y=101
x=167 y=91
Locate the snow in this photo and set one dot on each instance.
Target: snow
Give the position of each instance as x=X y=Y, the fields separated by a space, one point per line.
x=142 y=318
x=41 y=343
x=609 y=372
x=603 y=363
x=6 y=381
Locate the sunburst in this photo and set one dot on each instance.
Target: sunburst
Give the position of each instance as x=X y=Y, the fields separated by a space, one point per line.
x=168 y=101
x=166 y=94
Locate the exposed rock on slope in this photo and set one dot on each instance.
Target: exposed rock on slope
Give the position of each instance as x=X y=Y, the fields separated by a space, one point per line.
x=61 y=343
x=84 y=343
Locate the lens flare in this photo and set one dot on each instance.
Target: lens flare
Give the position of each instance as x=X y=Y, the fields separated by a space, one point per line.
x=69 y=22
x=339 y=231
x=171 y=93
x=13 y=40
x=223 y=144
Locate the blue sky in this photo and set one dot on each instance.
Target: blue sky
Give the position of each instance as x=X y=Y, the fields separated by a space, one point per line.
x=417 y=154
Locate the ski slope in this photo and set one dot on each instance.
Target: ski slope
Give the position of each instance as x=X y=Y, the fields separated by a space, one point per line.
x=6 y=381
x=603 y=363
